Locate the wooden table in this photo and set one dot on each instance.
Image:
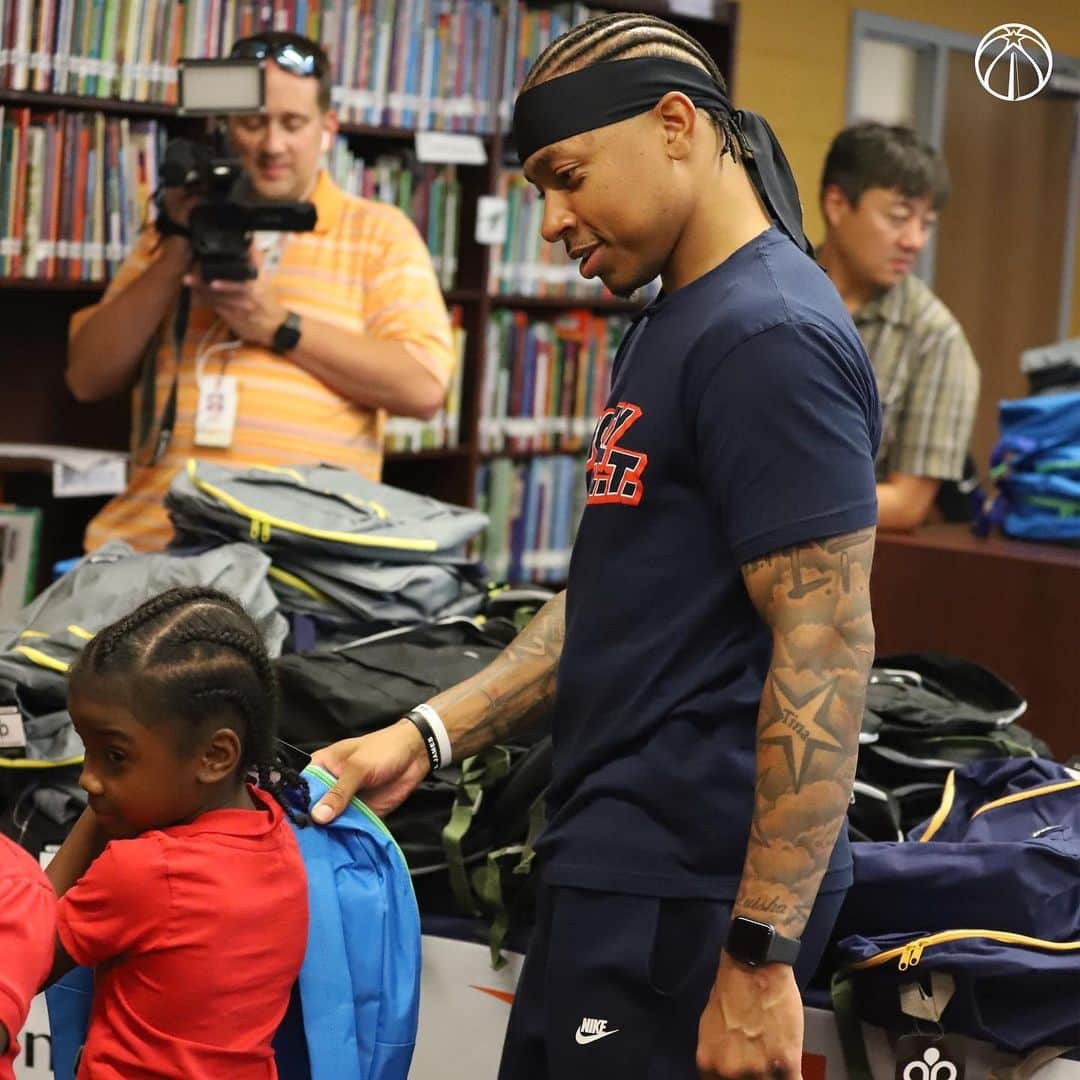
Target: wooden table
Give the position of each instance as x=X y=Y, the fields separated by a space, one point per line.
x=1010 y=605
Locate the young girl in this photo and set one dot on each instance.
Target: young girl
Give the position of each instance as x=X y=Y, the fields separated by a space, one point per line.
x=182 y=884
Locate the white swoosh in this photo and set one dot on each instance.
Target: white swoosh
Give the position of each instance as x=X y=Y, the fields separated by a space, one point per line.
x=583 y=1039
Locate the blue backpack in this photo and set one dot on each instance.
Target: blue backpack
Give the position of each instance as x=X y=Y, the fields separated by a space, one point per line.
x=979 y=910
x=355 y=1005
x=1036 y=467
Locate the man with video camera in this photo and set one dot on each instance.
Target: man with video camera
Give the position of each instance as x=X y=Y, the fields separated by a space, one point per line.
x=341 y=326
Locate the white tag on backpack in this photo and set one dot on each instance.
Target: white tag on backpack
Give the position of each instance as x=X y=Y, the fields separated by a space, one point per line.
x=215 y=418
x=929 y=1057
x=12 y=735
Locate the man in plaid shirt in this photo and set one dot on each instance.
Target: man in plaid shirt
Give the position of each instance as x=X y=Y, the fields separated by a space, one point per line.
x=881 y=191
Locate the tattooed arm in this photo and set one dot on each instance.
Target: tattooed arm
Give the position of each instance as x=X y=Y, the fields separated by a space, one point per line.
x=816 y=600
x=513 y=691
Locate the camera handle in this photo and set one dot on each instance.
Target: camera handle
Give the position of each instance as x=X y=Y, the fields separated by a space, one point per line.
x=163 y=223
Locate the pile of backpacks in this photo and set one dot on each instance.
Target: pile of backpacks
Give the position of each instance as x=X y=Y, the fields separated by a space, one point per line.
x=1035 y=467
x=926 y=715
x=466 y=831
x=369 y=603
x=964 y=915
x=348 y=556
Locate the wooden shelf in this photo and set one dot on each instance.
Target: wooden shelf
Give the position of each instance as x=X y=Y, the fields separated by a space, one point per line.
x=446 y=453
x=452 y=296
x=95 y=104
x=528 y=455
x=463 y=296
x=713 y=12
x=567 y=303
x=123 y=106
x=395 y=134
x=52 y=285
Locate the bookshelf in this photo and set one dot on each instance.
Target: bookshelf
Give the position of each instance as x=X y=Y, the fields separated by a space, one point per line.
x=35 y=405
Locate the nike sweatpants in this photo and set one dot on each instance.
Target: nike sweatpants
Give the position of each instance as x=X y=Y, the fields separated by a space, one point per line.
x=614 y=985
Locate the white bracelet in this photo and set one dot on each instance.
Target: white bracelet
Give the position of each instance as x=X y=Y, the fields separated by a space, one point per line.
x=438 y=729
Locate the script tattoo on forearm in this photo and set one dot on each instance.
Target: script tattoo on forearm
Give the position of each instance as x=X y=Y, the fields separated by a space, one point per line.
x=816 y=599
x=513 y=691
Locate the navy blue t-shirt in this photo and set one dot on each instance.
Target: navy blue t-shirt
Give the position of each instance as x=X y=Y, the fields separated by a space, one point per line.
x=743 y=418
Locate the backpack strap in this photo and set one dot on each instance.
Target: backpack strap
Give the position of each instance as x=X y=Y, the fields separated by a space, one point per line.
x=487 y=880
x=849 y=1027
x=477 y=774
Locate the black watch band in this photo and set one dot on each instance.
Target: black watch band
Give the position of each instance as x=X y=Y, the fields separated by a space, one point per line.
x=287 y=335
x=758 y=943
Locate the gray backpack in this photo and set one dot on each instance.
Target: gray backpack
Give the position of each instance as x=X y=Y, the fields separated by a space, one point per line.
x=318 y=510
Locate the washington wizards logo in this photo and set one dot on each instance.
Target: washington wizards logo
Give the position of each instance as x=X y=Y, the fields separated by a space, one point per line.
x=613 y=473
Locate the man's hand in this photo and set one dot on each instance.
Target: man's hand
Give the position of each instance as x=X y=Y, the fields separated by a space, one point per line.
x=248 y=308
x=178 y=205
x=382 y=768
x=905 y=501
x=752 y=1025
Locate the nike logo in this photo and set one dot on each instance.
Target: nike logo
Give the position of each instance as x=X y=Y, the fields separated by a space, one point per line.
x=591 y=1029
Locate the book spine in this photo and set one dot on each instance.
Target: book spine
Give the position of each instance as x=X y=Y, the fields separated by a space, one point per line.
x=18 y=207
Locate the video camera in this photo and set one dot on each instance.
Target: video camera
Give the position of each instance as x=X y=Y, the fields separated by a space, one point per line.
x=221 y=225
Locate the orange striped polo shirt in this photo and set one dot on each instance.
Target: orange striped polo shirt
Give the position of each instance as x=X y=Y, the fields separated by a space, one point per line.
x=365 y=269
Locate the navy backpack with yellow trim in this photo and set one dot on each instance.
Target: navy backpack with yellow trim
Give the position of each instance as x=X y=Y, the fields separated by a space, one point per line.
x=985 y=893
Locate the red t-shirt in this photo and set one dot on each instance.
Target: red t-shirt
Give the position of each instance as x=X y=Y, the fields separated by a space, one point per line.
x=27 y=940
x=197 y=934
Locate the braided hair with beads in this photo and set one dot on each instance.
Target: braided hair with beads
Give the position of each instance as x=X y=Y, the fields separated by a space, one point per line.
x=626 y=36
x=191 y=651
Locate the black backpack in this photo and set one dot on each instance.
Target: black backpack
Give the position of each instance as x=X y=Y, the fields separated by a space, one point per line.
x=930 y=714
x=368 y=684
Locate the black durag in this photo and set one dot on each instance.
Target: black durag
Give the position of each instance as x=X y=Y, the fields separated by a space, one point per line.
x=613 y=90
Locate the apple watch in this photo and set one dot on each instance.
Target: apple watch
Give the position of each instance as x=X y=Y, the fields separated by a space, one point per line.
x=757 y=943
x=287 y=335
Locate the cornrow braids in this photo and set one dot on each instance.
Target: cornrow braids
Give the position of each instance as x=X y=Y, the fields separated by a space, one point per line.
x=194 y=646
x=260 y=744
x=623 y=36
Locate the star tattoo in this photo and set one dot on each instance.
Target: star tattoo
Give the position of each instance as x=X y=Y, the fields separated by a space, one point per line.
x=798 y=729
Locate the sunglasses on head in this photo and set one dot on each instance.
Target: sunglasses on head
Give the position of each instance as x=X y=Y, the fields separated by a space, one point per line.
x=291 y=57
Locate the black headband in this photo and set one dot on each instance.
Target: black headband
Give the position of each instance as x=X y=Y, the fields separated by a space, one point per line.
x=615 y=90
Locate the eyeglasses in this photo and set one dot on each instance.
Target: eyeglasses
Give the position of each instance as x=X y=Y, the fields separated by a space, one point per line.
x=292 y=57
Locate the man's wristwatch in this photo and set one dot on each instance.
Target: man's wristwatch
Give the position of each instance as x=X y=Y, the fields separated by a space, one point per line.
x=287 y=335
x=757 y=943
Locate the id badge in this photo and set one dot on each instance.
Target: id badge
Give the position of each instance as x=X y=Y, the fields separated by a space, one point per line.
x=215 y=418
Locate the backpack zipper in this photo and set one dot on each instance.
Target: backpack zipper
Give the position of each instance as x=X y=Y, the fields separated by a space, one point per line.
x=354 y=501
x=1020 y=796
x=299 y=584
x=330 y=781
x=910 y=954
x=262 y=523
x=948 y=796
x=36 y=656
x=943 y=810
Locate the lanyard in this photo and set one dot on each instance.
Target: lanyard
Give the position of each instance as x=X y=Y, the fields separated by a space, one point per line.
x=148 y=384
